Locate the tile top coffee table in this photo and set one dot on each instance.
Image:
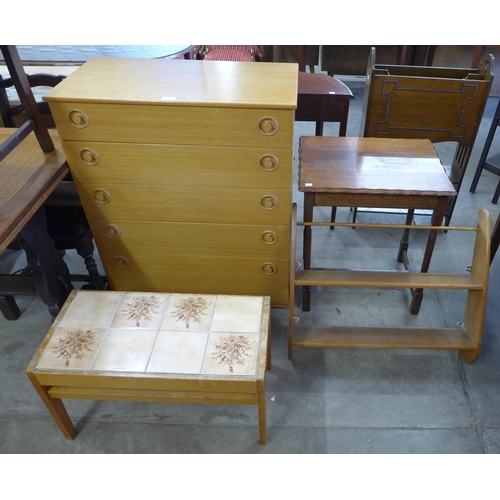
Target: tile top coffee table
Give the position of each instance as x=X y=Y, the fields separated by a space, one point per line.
x=156 y=347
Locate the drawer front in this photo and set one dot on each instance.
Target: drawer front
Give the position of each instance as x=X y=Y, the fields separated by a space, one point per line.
x=190 y=274
x=210 y=126
x=180 y=165
x=184 y=204
x=231 y=240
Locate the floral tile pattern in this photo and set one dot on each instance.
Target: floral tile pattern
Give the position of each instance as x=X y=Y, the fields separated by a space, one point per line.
x=231 y=354
x=159 y=333
x=189 y=312
x=73 y=348
x=141 y=310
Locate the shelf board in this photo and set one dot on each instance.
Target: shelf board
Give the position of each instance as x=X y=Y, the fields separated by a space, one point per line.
x=385 y=279
x=383 y=338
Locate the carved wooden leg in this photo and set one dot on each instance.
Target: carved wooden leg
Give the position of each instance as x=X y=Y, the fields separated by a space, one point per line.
x=403 y=244
x=50 y=272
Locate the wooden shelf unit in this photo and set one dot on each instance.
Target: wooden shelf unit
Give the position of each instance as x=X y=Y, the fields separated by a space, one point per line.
x=466 y=339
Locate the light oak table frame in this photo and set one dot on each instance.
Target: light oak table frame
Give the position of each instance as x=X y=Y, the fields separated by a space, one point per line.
x=53 y=385
x=466 y=338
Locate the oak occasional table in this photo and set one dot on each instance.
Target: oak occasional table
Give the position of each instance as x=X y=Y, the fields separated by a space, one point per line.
x=156 y=347
x=375 y=173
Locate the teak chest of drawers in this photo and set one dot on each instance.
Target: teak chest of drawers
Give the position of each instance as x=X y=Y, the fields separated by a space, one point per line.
x=184 y=169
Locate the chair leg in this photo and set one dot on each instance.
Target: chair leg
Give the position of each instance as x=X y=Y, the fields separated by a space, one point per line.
x=333 y=217
x=496 y=195
x=85 y=249
x=495 y=239
x=9 y=307
x=354 y=214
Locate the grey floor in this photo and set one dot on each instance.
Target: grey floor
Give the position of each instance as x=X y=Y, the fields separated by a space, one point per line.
x=324 y=401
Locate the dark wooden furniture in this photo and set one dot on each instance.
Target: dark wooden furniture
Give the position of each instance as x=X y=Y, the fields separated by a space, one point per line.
x=248 y=53
x=351 y=59
x=31 y=166
x=491 y=164
x=373 y=172
x=322 y=98
x=466 y=338
x=27 y=176
x=495 y=239
x=439 y=104
x=66 y=221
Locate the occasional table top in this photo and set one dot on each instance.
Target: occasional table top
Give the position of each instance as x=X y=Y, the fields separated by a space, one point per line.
x=157 y=334
x=321 y=84
x=371 y=166
x=27 y=177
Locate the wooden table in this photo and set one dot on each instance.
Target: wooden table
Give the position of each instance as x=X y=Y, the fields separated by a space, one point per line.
x=322 y=98
x=156 y=347
x=27 y=177
x=377 y=173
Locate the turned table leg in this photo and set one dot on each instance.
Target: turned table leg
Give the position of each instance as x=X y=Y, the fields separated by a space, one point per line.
x=51 y=275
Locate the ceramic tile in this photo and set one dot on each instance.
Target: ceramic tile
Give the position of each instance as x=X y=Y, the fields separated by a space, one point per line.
x=140 y=310
x=125 y=350
x=92 y=309
x=189 y=312
x=237 y=314
x=73 y=348
x=231 y=354
x=178 y=352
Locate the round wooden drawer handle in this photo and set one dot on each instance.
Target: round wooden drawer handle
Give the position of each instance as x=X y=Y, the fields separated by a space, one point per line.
x=269 y=202
x=269 y=237
x=78 y=118
x=269 y=163
x=120 y=262
x=101 y=196
x=111 y=231
x=89 y=156
x=268 y=125
x=269 y=268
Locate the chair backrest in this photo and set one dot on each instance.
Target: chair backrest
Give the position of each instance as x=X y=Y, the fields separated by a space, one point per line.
x=34 y=122
x=232 y=52
x=422 y=102
x=12 y=112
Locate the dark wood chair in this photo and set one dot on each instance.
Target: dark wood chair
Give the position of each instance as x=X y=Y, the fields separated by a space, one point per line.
x=249 y=53
x=491 y=164
x=65 y=219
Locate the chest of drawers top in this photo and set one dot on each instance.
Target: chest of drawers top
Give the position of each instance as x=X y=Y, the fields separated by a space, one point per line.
x=180 y=83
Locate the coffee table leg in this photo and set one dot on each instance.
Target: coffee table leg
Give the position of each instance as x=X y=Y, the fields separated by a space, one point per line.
x=307 y=244
x=55 y=407
x=261 y=395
